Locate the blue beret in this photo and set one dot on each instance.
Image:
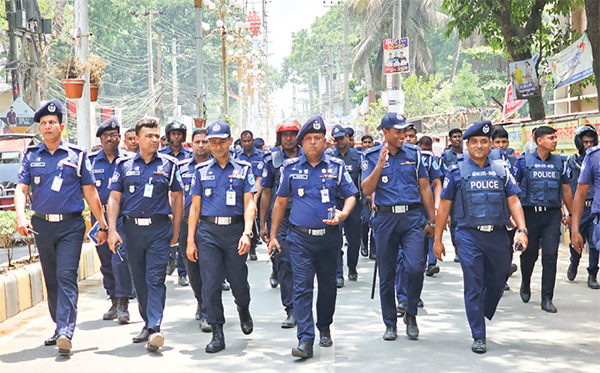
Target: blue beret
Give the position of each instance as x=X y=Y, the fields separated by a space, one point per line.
x=108 y=125
x=51 y=107
x=219 y=129
x=313 y=125
x=393 y=120
x=259 y=142
x=349 y=131
x=479 y=129
x=338 y=131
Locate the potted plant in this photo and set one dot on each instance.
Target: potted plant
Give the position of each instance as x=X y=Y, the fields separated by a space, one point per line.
x=201 y=122
x=70 y=71
x=96 y=65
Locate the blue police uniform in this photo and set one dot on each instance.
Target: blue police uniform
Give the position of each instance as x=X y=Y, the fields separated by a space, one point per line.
x=282 y=263
x=587 y=224
x=115 y=271
x=256 y=159
x=541 y=197
x=449 y=158
x=222 y=224
x=187 y=169
x=398 y=222
x=147 y=227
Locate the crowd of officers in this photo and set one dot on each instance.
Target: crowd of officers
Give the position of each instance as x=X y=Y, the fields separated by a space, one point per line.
x=161 y=206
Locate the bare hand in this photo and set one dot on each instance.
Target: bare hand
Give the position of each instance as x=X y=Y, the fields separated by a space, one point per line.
x=264 y=234
x=244 y=245
x=439 y=251
x=383 y=155
x=568 y=221
x=102 y=237
x=113 y=238
x=448 y=222
x=272 y=244
x=23 y=226
x=577 y=242
x=429 y=231
x=522 y=238
x=337 y=218
x=192 y=251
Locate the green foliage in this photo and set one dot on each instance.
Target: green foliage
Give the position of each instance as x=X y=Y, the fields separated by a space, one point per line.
x=466 y=90
x=356 y=94
x=373 y=118
x=69 y=68
x=426 y=96
x=8 y=228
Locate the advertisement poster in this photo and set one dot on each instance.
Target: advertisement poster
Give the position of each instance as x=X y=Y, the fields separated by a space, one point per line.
x=511 y=105
x=395 y=56
x=524 y=79
x=572 y=64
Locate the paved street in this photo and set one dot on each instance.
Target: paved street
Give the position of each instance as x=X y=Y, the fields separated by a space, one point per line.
x=521 y=338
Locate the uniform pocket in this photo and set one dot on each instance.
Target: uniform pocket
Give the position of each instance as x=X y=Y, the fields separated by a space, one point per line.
x=538 y=190
x=495 y=204
x=477 y=204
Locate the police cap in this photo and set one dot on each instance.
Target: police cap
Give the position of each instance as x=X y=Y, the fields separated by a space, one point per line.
x=259 y=142
x=338 y=131
x=108 y=125
x=313 y=125
x=479 y=129
x=393 y=120
x=218 y=129
x=51 y=107
x=349 y=131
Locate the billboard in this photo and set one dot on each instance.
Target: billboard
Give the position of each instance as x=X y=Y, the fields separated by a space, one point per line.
x=395 y=56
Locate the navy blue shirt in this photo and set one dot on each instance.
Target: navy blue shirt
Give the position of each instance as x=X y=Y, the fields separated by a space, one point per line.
x=590 y=174
x=145 y=186
x=184 y=153
x=212 y=183
x=398 y=183
x=268 y=174
x=39 y=170
x=314 y=188
x=187 y=169
x=103 y=170
x=520 y=169
x=431 y=164
x=255 y=159
x=447 y=162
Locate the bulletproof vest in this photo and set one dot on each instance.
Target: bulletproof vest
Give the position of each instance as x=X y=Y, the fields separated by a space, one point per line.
x=493 y=155
x=575 y=168
x=352 y=165
x=481 y=198
x=450 y=157
x=541 y=184
x=277 y=162
x=510 y=157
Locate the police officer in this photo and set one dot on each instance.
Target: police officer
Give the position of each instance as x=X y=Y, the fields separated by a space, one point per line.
x=350 y=133
x=352 y=161
x=223 y=202
x=586 y=137
x=450 y=157
x=314 y=179
x=259 y=143
x=368 y=242
x=131 y=141
x=252 y=155
x=60 y=177
x=394 y=172
x=544 y=187
x=483 y=194
x=114 y=267
x=141 y=185
x=187 y=169
x=282 y=264
x=176 y=134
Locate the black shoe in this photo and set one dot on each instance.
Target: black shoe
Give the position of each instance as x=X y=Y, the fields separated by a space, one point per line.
x=123 y=312
x=420 y=304
x=245 y=320
x=273 y=280
x=326 y=340
x=204 y=325
x=142 y=337
x=198 y=315
x=304 y=350
x=372 y=256
x=252 y=254
x=401 y=309
x=592 y=282
x=412 y=330
x=352 y=274
x=171 y=265
x=217 y=343
x=571 y=272
x=183 y=281
x=548 y=306
x=432 y=269
x=155 y=341
x=506 y=287
x=525 y=292
x=64 y=345
x=225 y=286
x=364 y=251
x=112 y=312
x=479 y=346
x=513 y=269
x=133 y=294
x=290 y=321
x=456 y=259
x=339 y=283
x=51 y=341
x=390 y=334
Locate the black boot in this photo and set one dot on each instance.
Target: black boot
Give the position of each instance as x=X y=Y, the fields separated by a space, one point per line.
x=273 y=280
x=245 y=320
x=304 y=350
x=592 y=282
x=252 y=253
x=123 y=312
x=112 y=312
x=217 y=343
x=412 y=330
x=290 y=321
x=525 y=292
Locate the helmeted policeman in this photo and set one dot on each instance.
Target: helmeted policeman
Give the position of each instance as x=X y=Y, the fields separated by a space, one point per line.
x=544 y=187
x=586 y=137
x=60 y=177
x=395 y=173
x=187 y=169
x=282 y=264
x=114 y=267
x=223 y=202
x=141 y=185
x=314 y=179
x=351 y=226
x=450 y=157
x=483 y=194
x=176 y=134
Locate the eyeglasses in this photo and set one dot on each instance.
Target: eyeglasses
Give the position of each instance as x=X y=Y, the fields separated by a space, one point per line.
x=110 y=135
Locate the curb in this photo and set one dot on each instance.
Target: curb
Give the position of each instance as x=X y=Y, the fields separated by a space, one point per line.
x=25 y=287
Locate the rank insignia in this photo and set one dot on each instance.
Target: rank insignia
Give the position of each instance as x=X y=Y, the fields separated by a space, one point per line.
x=131 y=189
x=136 y=168
x=385 y=179
x=323 y=170
x=38 y=159
x=301 y=192
x=208 y=192
x=36 y=180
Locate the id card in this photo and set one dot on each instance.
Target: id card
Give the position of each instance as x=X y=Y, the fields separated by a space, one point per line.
x=148 y=189
x=325 y=196
x=230 y=198
x=57 y=184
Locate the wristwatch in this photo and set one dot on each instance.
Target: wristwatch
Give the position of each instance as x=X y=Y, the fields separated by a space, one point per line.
x=431 y=224
x=105 y=230
x=524 y=230
x=249 y=234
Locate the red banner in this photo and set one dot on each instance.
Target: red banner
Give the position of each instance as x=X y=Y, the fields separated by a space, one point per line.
x=511 y=106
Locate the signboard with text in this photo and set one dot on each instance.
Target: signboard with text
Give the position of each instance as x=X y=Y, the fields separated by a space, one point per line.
x=396 y=56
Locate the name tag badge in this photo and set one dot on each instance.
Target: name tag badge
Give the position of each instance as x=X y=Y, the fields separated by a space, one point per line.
x=57 y=184
x=325 y=196
x=230 y=198
x=148 y=189
x=38 y=164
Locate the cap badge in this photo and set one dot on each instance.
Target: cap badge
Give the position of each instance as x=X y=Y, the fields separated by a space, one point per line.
x=216 y=127
x=486 y=128
x=316 y=125
x=52 y=108
x=399 y=117
x=113 y=125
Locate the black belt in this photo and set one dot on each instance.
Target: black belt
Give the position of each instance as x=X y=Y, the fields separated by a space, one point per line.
x=223 y=220
x=540 y=208
x=589 y=202
x=55 y=218
x=399 y=209
x=315 y=232
x=143 y=222
x=489 y=228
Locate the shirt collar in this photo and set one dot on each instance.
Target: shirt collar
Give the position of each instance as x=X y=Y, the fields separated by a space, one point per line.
x=63 y=145
x=137 y=156
x=324 y=158
x=213 y=162
x=487 y=162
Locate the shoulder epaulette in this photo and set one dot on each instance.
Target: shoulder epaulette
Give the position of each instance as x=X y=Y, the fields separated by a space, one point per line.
x=336 y=160
x=411 y=146
x=592 y=149
x=427 y=152
x=268 y=156
x=186 y=161
x=170 y=158
x=243 y=163
x=93 y=154
x=76 y=147
x=453 y=167
x=373 y=149
x=329 y=151
x=521 y=156
x=290 y=161
x=202 y=164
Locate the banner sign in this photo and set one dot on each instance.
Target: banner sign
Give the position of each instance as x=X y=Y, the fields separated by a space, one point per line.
x=572 y=64
x=395 y=56
x=511 y=105
x=524 y=79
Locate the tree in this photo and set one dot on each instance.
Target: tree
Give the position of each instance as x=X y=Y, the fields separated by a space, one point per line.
x=592 y=10
x=507 y=24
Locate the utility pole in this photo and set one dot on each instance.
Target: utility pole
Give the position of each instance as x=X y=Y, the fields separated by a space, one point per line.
x=84 y=138
x=331 y=106
x=395 y=94
x=175 y=82
x=345 y=61
x=199 y=70
x=161 y=113
x=13 y=57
